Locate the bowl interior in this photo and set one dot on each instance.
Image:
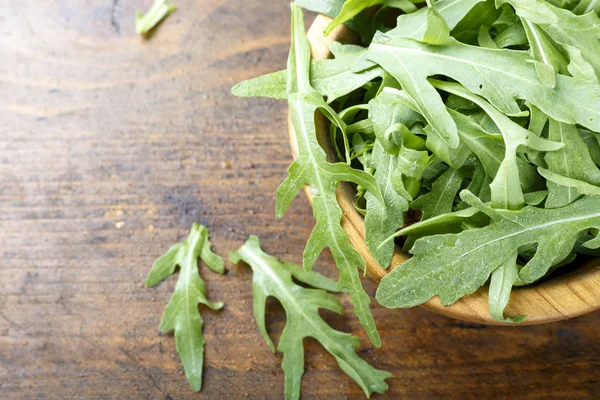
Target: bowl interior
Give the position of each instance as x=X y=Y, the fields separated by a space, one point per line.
x=560 y=297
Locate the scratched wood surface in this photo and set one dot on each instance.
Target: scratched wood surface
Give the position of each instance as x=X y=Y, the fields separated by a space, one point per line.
x=111 y=146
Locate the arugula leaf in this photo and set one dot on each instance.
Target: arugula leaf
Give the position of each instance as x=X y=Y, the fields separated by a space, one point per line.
x=453 y=265
x=577 y=33
x=572 y=161
x=498 y=97
x=586 y=6
x=352 y=8
x=160 y=10
x=578 y=187
x=489 y=149
x=273 y=277
x=485 y=39
x=477 y=69
x=501 y=283
x=441 y=197
x=332 y=78
x=416 y=24
x=331 y=8
x=383 y=219
x=506 y=187
x=547 y=59
x=513 y=36
x=482 y=14
x=312 y=169
x=391 y=117
x=181 y=314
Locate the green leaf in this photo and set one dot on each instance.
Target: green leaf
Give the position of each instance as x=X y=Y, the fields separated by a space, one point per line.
x=453 y=265
x=331 y=78
x=391 y=116
x=592 y=141
x=436 y=28
x=160 y=10
x=331 y=8
x=513 y=36
x=312 y=169
x=383 y=219
x=415 y=25
x=352 y=8
x=273 y=85
x=482 y=14
x=586 y=6
x=443 y=223
x=485 y=39
x=578 y=187
x=506 y=186
x=181 y=314
x=273 y=277
x=547 y=59
x=578 y=31
x=572 y=162
x=501 y=283
x=441 y=197
x=479 y=70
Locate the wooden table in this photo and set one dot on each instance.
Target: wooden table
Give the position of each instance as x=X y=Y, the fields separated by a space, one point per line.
x=111 y=146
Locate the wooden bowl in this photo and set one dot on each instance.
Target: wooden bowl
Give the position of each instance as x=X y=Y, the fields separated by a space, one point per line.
x=555 y=299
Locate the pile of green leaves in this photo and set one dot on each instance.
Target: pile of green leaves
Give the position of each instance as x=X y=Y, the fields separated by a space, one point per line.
x=482 y=115
x=271 y=277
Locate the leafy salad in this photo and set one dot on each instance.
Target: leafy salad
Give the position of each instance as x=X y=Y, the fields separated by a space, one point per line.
x=484 y=116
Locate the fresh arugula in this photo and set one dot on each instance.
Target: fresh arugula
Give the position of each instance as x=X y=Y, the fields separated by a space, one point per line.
x=160 y=10
x=312 y=169
x=480 y=118
x=273 y=277
x=453 y=265
x=181 y=315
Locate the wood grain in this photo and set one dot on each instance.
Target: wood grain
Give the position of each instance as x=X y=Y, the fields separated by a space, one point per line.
x=111 y=146
x=566 y=296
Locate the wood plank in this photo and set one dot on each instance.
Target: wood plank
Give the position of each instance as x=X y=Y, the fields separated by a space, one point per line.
x=111 y=146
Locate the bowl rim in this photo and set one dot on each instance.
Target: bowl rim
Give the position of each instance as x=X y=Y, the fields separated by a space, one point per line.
x=559 y=298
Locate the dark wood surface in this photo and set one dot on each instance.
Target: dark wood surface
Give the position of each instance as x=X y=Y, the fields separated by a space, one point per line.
x=111 y=146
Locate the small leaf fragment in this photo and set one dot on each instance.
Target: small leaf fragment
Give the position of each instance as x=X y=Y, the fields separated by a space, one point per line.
x=160 y=10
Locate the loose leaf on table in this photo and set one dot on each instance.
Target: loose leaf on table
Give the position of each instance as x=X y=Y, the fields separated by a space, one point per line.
x=273 y=277
x=160 y=9
x=453 y=265
x=181 y=314
x=573 y=161
x=312 y=169
x=499 y=76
